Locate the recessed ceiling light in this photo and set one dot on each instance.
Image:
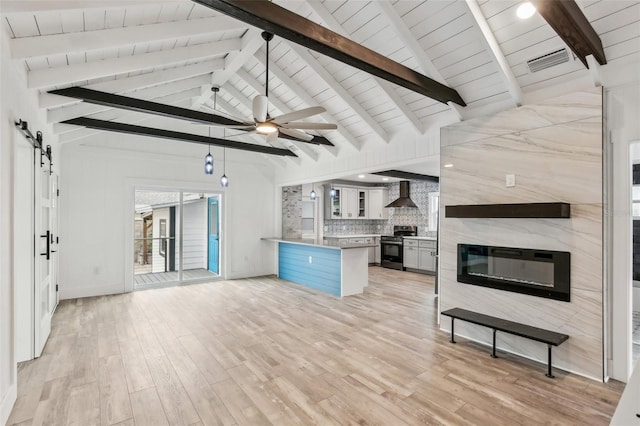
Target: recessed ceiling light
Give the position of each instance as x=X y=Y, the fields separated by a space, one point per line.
x=525 y=10
x=385 y=179
x=448 y=165
x=361 y=176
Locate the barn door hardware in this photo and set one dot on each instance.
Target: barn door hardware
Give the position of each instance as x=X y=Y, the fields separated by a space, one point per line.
x=36 y=142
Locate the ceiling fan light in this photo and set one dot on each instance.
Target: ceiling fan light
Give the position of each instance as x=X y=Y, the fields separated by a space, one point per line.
x=526 y=10
x=266 y=127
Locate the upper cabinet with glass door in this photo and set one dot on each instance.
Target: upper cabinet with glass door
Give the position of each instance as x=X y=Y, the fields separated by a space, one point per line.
x=332 y=202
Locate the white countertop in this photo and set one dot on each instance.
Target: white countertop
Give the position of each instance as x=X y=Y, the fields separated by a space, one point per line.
x=352 y=236
x=420 y=238
x=319 y=243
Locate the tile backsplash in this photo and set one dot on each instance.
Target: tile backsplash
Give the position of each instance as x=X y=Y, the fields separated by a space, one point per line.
x=419 y=193
x=292 y=211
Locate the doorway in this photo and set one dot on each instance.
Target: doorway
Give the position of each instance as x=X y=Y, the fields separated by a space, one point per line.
x=176 y=238
x=213 y=248
x=635 y=254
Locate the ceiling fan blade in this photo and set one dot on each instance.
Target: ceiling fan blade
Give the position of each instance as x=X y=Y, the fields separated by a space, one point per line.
x=296 y=134
x=309 y=126
x=260 y=105
x=298 y=115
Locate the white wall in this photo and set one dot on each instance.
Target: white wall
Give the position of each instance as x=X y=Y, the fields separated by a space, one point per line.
x=96 y=207
x=16 y=102
x=555 y=150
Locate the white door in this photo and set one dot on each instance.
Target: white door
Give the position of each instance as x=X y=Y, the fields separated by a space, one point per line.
x=55 y=193
x=44 y=289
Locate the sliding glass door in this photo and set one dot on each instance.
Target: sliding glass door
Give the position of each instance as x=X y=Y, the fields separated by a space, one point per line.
x=173 y=240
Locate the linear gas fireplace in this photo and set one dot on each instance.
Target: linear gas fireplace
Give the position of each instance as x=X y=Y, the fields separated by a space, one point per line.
x=540 y=273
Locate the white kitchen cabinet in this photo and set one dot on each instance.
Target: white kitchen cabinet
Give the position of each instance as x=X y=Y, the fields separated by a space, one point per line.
x=427 y=255
x=372 y=250
x=332 y=206
x=378 y=254
x=363 y=203
x=411 y=249
x=427 y=259
x=420 y=254
x=378 y=198
x=349 y=203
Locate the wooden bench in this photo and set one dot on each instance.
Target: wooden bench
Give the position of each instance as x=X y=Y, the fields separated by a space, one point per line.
x=551 y=338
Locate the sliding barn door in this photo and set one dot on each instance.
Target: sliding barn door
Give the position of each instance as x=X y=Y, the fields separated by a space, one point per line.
x=45 y=294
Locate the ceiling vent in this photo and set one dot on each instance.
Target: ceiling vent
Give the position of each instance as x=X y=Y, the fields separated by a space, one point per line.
x=549 y=60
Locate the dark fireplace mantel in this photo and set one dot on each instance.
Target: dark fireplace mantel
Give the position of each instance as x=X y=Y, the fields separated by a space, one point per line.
x=521 y=210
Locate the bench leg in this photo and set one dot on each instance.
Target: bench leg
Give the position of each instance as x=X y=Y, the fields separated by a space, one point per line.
x=493 y=353
x=549 y=372
x=452 y=339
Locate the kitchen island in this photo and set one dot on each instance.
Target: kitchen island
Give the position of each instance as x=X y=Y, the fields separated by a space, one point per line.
x=339 y=269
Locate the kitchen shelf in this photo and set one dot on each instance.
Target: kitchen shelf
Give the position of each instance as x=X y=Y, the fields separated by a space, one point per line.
x=522 y=210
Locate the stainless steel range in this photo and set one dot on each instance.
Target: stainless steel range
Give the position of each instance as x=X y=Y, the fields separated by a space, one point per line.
x=391 y=246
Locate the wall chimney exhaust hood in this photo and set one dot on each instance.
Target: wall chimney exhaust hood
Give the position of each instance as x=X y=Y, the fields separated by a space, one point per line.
x=403 y=200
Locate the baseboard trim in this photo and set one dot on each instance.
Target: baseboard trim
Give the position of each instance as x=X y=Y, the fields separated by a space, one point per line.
x=540 y=361
x=7 y=403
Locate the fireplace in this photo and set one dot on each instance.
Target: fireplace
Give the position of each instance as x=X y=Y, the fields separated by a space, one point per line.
x=542 y=273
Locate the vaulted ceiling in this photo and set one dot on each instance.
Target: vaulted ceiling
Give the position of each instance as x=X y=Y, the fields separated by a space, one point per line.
x=173 y=52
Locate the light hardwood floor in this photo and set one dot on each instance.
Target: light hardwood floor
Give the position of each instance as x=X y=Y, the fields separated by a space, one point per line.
x=264 y=351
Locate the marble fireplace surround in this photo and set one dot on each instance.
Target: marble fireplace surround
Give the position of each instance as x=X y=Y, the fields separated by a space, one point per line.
x=555 y=150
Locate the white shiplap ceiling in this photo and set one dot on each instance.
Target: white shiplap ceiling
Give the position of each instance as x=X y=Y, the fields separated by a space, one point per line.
x=174 y=51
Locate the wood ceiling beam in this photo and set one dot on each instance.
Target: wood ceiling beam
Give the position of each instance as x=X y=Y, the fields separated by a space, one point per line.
x=297 y=29
x=155 y=108
x=32 y=6
x=411 y=43
x=81 y=109
x=28 y=47
x=326 y=76
x=568 y=21
x=308 y=100
x=70 y=74
x=124 y=85
x=251 y=42
x=383 y=85
x=493 y=46
x=68 y=133
x=179 y=136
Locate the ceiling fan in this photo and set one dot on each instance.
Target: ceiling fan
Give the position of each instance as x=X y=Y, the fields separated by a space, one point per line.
x=264 y=124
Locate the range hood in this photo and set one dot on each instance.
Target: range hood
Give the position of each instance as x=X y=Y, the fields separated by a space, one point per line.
x=403 y=200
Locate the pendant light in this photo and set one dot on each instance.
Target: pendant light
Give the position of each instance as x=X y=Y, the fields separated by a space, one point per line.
x=224 y=180
x=332 y=193
x=208 y=160
x=312 y=195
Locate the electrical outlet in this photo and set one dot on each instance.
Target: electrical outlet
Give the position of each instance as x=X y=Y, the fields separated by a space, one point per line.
x=344 y=228
x=326 y=229
x=510 y=180
x=310 y=259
